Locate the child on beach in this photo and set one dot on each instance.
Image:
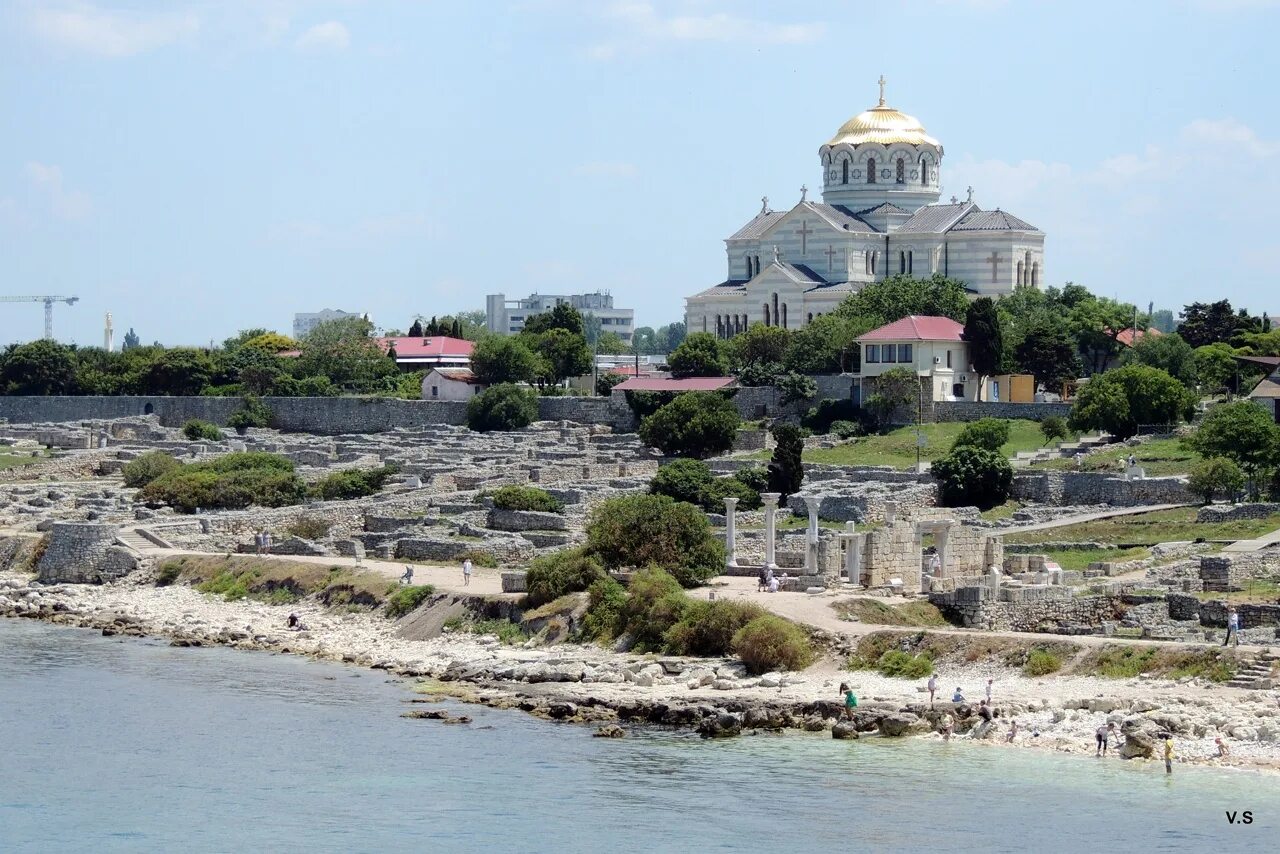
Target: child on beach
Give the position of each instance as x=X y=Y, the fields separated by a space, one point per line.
x=1168 y=753
x=933 y=688
x=850 y=701
x=957 y=697
x=946 y=725
x=466 y=573
x=1013 y=730
x=1223 y=751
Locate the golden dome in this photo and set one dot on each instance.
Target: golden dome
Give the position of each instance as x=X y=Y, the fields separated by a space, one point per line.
x=883 y=124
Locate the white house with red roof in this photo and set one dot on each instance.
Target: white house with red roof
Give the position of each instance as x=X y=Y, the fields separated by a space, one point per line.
x=932 y=348
x=416 y=354
x=450 y=384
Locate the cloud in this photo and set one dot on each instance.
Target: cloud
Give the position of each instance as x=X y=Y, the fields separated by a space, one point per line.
x=66 y=204
x=607 y=169
x=1230 y=132
x=642 y=26
x=329 y=37
x=84 y=28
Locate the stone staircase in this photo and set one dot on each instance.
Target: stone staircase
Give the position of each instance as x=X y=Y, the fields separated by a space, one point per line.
x=140 y=540
x=1257 y=673
x=1022 y=459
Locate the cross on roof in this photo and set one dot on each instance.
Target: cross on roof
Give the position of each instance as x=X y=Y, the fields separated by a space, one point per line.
x=882 y=82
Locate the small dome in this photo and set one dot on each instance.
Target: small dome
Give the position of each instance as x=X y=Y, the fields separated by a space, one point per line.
x=884 y=125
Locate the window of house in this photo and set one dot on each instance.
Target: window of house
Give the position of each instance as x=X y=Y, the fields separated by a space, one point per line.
x=435 y=391
x=871 y=170
x=948 y=358
x=904 y=353
x=901 y=176
x=844 y=165
x=957 y=390
x=924 y=171
x=873 y=353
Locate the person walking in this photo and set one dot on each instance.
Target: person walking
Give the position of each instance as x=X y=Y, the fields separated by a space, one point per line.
x=933 y=688
x=1233 y=626
x=1104 y=737
x=1168 y=753
x=850 y=701
x=407 y=578
x=266 y=541
x=259 y=540
x=466 y=573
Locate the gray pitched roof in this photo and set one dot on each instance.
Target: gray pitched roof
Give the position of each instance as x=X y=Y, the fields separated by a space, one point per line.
x=832 y=288
x=840 y=217
x=724 y=289
x=936 y=219
x=996 y=220
x=883 y=208
x=801 y=271
x=759 y=225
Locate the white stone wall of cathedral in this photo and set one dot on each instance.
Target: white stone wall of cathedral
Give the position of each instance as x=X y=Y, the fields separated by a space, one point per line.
x=857 y=193
x=969 y=259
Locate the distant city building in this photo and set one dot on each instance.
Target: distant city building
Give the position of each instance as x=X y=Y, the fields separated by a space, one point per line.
x=305 y=321
x=880 y=216
x=507 y=316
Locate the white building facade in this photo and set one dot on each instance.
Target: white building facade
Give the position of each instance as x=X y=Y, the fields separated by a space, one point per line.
x=879 y=216
x=508 y=316
x=305 y=321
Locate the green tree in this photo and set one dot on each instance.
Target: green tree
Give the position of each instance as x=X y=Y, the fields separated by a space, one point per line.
x=898 y=296
x=643 y=341
x=179 y=371
x=235 y=342
x=130 y=340
x=562 y=354
x=990 y=434
x=699 y=355
x=1242 y=432
x=696 y=424
x=346 y=352
x=654 y=530
x=606 y=381
x=828 y=345
x=563 y=316
x=1096 y=323
x=786 y=466
x=1214 y=365
x=502 y=407
x=1054 y=428
x=683 y=480
x=1201 y=324
x=671 y=336
x=758 y=344
x=985 y=339
x=611 y=344
x=591 y=327
x=1047 y=353
x=38 y=368
x=973 y=476
x=895 y=390
x=1213 y=477
x=1169 y=353
x=1121 y=400
x=796 y=387
x=415 y=331
x=504 y=359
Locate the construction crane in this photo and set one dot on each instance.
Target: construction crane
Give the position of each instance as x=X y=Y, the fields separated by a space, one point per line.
x=48 y=308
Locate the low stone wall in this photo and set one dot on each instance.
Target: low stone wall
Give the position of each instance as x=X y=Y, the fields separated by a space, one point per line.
x=83 y=553
x=526 y=520
x=1235 y=512
x=970 y=410
x=1036 y=609
x=1074 y=488
x=1232 y=572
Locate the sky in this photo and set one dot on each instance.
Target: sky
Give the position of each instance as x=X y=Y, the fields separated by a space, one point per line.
x=198 y=167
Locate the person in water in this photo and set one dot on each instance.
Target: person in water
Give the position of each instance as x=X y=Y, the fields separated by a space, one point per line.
x=850 y=701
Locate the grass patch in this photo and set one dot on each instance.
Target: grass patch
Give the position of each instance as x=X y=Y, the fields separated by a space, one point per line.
x=1002 y=511
x=506 y=631
x=1160 y=457
x=1160 y=526
x=903 y=665
x=877 y=613
x=954 y=649
x=1078 y=559
x=310 y=528
x=407 y=599
x=12 y=461
x=1253 y=591
x=1041 y=662
x=897 y=448
x=1125 y=662
x=278 y=582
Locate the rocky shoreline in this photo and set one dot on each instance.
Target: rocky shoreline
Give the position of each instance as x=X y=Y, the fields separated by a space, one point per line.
x=717 y=697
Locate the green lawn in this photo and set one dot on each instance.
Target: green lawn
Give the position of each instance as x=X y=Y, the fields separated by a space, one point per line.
x=9 y=461
x=1002 y=511
x=1161 y=526
x=1081 y=558
x=898 y=448
x=1159 y=457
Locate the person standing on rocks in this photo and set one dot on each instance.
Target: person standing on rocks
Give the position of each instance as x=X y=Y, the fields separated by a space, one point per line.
x=989 y=681
x=1168 y=753
x=466 y=572
x=933 y=688
x=1104 y=737
x=850 y=701
x=1233 y=626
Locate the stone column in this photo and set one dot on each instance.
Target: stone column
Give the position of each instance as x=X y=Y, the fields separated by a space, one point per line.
x=811 y=544
x=770 y=502
x=853 y=553
x=730 y=511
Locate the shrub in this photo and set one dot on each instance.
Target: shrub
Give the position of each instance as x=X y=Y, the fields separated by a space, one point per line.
x=973 y=476
x=786 y=468
x=696 y=424
x=823 y=417
x=1054 y=428
x=654 y=604
x=1041 y=662
x=604 y=619
x=168 y=573
x=721 y=488
x=232 y=481
x=1213 y=477
x=252 y=413
x=770 y=643
x=755 y=477
x=352 y=483
x=846 y=429
x=407 y=599
x=526 y=498
x=682 y=480
x=1121 y=400
x=606 y=381
x=988 y=433
x=145 y=468
x=707 y=628
x=639 y=530
x=310 y=528
x=553 y=575
x=195 y=430
x=502 y=407
x=904 y=665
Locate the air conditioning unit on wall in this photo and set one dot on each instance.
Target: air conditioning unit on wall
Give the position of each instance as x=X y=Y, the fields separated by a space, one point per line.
x=964 y=378
x=937 y=360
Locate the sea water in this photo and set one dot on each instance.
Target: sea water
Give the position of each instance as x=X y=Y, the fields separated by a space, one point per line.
x=110 y=744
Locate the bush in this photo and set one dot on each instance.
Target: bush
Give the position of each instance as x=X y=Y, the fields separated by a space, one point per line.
x=502 y=407
x=407 y=599
x=232 y=481
x=1213 y=477
x=786 y=468
x=847 y=429
x=696 y=424
x=987 y=433
x=770 y=643
x=252 y=413
x=1242 y=432
x=605 y=617
x=195 y=430
x=553 y=575
x=352 y=483
x=310 y=528
x=639 y=530
x=721 y=488
x=654 y=604
x=606 y=381
x=823 y=417
x=707 y=628
x=1041 y=662
x=147 y=467
x=1123 y=399
x=682 y=480
x=526 y=498
x=700 y=354
x=754 y=477
x=973 y=476
x=1054 y=428
x=904 y=665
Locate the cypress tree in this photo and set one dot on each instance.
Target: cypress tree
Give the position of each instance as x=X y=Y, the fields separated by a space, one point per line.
x=786 y=469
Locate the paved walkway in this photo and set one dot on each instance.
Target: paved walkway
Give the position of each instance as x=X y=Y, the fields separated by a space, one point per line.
x=1255 y=545
x=1090 y=517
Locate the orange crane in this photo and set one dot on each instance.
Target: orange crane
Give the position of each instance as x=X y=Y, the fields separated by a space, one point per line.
x=48 y=308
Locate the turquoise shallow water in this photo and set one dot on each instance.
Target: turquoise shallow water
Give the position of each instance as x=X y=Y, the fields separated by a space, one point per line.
x=125 y=745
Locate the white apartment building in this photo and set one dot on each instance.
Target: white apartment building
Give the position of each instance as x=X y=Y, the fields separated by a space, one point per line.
x=508 y=316
x=305 y=321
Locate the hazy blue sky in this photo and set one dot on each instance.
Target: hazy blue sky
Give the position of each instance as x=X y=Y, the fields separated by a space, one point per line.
x=200 y=167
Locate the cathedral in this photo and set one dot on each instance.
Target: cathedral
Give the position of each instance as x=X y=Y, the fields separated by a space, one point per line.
x=879 y=216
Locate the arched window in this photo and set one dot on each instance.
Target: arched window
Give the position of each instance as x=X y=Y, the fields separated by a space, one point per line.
x=844 y=170
x=784 y=315
x=866 y=262
x=704 y=323
x=874 y=257
x=766 y=314
x=719 y=328
x=871 y=170
x=902 y=262
x=1021 y=272
x=757 y=265
x=924 y=172
x=810 y=320
x=775 y=310
x=1035 y=275
x=911 y=261
x=902 y=171
x=748 y=260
